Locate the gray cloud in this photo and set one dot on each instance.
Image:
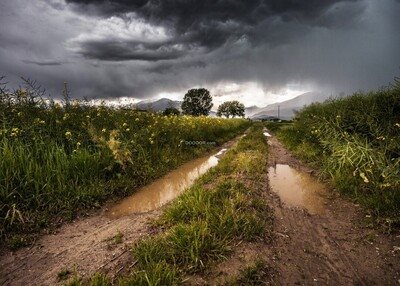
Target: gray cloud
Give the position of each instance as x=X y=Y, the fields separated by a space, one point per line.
x=209 y=24
x=45 y=62
x=141 y=48
x=130 y=50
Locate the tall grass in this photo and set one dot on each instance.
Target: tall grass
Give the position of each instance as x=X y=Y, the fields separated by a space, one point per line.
x=355 y=141
x=56 y=158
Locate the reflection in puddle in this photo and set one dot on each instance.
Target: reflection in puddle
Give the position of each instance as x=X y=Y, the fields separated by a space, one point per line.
x=165 y=189
x=297 y=188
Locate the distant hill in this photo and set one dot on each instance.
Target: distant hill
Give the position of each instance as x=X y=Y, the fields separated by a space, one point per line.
x=251 y=110
x=288 y=108
x=158 y=105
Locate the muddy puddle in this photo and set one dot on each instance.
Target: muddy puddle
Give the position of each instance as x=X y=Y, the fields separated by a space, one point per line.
x=165 y=189
x=298 y=189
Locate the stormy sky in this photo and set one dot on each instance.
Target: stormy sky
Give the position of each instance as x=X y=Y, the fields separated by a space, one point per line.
x=258 y=51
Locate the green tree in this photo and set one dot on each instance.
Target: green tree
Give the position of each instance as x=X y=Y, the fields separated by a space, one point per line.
x=197 y=102
x=171 y=111
x=231 y=108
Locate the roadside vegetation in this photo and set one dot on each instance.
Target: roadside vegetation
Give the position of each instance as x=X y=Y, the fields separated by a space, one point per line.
x=60 y=158
x=201 y=227
x=355 y=142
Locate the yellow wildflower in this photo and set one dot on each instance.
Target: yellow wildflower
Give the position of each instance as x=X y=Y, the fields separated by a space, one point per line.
x=68 y=135
x=364 y=177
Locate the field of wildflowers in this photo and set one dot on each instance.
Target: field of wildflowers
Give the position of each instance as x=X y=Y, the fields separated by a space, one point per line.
x=60 y=159
x=354 y=141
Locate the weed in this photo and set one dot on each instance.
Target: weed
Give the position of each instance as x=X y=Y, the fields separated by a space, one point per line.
x=118 y=238
x=63 y=274
x=256 y=274
x=17 y=241
x=159 y=274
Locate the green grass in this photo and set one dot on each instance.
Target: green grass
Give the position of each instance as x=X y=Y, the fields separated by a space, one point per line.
x=63 y=274
x=57 y=161
x=355 y=142
x=118 y=238
x=257 y=273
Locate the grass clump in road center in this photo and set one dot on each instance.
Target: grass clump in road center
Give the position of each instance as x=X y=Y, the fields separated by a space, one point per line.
x=202 y=226
x=258 y=273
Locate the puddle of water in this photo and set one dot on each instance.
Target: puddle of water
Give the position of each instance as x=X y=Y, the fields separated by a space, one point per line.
x=297 y=188
x=266 y=134
x=165 y=189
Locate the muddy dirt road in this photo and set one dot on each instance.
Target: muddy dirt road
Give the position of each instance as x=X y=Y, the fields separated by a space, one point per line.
x=332 y=246
x=319 y=239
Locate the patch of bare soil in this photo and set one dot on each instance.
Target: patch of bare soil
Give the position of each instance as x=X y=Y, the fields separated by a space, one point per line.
x=87 y=245
x=333 y=248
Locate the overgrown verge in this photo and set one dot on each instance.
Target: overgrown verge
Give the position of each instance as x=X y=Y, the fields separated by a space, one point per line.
x=202 y=226
x=354 y=141
x=57 y=158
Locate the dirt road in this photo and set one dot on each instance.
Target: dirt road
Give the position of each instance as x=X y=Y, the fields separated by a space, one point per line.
x=334 y=248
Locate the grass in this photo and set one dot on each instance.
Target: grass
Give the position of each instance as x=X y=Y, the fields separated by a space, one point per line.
x=355 y=142
x=257 y=273
x=118 y=238
x=63 y=274
x=59 y=160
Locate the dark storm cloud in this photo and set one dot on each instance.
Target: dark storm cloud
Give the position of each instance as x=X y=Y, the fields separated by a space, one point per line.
x=130 y=50
x=109 y=49
x=175 y=67
x=208 y=24
x=186 y=13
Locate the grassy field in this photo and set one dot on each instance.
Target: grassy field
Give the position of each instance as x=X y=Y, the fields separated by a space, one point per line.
x=57 y=160
x=355 y=142
x=202 y=226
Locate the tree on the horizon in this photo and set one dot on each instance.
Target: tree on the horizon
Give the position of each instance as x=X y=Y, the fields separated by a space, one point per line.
x=231 y=108
x=197 y=102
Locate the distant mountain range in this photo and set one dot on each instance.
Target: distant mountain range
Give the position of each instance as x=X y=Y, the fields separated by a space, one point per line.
x=287 y=108
x=158 y=105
